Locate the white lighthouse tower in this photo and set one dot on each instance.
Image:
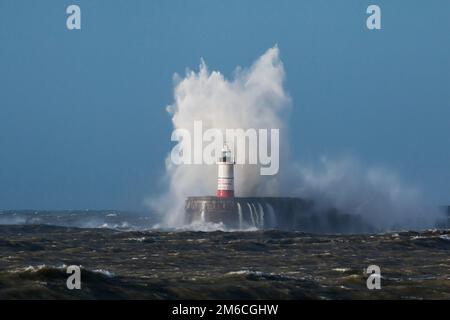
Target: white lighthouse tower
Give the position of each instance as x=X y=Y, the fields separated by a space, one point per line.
x=225 y=177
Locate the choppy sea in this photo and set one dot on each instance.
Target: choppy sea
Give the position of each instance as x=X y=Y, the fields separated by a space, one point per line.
x=122 y=256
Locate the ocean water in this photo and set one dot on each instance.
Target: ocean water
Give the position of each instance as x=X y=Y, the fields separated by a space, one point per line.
x=122 y=257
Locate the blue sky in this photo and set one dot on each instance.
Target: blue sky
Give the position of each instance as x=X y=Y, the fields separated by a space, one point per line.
x=82 y=113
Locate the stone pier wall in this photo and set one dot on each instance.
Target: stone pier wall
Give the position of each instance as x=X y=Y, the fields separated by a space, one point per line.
x=271 y=213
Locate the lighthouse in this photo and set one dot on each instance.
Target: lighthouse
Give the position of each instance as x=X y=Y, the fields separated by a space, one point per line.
x=225 y=177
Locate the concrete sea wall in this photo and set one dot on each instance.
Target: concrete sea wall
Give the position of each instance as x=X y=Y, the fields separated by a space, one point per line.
x=282 y=213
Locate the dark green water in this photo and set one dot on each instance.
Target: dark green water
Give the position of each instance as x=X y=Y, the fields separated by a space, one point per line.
x=220 y=265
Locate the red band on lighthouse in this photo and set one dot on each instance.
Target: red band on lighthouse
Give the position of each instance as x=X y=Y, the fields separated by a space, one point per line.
x=225 y=193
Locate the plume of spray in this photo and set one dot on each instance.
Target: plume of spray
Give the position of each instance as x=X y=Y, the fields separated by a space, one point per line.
x=375 y=193
x=256 y=98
